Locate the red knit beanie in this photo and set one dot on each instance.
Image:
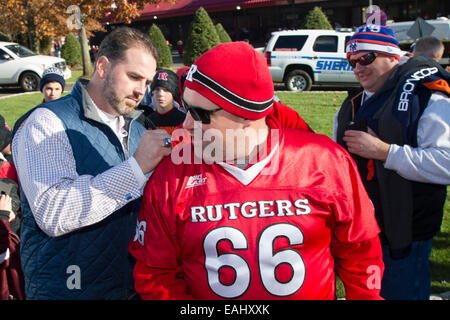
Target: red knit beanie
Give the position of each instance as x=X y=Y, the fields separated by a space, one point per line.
x=236 y=78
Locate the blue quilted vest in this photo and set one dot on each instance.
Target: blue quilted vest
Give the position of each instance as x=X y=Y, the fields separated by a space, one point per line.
x=92 y=262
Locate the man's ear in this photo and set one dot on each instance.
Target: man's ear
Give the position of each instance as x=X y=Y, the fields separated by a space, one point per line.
x=102 y=66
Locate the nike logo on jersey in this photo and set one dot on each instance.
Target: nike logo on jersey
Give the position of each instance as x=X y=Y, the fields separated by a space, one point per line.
x=250 y=209
x=195 y=181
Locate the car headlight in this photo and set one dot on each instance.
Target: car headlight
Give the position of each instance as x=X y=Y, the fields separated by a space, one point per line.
x=60 y=65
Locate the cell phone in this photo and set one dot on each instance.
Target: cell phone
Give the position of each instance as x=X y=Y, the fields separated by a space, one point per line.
x=359 y=125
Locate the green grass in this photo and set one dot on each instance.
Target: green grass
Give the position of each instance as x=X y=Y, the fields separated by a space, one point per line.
x=440 y=255
x=75 y=75
x=12 y=108
x=318 y=109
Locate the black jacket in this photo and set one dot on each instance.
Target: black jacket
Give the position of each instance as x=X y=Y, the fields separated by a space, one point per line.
x=405 y=210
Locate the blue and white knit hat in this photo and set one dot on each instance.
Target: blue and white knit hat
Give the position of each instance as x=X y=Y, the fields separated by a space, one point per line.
x=52 y=74
x=374 y=38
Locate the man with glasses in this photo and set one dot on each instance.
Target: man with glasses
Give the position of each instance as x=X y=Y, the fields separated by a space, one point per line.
x=255 y=210
x=397 y=130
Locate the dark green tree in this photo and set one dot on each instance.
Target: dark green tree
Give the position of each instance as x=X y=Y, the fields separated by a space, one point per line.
x=4 y=37
x=202 y=37
x=317 y=19
x=71 y=50
x=222 y=33
x=45 y=45
x=165 y=56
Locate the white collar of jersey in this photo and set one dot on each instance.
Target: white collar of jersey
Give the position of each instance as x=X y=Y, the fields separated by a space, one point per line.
x=248 y=175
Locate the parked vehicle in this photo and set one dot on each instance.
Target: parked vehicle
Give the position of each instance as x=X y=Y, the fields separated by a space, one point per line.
x=441 y=31
x=21 y=66
x=303 y=58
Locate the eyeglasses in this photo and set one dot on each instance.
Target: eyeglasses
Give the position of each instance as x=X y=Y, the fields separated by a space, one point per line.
x=199 y=114
x=364 y=60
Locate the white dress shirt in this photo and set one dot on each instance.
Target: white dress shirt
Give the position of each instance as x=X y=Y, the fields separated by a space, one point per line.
x=61 y=200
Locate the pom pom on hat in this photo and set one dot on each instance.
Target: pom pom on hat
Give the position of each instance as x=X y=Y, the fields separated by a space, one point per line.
x=52 y=74
x=374 y=37
x=377 y=17
x=236 y=78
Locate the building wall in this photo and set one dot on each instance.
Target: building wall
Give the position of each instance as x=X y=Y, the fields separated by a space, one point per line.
x=260 y=22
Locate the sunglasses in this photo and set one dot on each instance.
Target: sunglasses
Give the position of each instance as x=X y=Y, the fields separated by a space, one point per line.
x=199 y=114
x=364 y=60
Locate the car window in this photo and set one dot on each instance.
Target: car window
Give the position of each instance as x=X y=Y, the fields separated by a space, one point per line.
x=347 y=39
x=20 y=51
x=326 y=44
x=290 y=43
x=2 y=54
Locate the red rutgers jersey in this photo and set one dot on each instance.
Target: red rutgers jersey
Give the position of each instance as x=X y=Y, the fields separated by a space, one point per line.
x=272 y=231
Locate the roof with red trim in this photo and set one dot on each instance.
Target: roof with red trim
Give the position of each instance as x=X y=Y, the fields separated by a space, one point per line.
x=188 y=7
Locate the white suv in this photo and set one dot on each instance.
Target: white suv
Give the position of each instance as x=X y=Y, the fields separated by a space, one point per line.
x=302 y=58
x=23 y=67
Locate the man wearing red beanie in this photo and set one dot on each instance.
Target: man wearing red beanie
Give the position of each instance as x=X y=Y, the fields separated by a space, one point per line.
x=253 y=210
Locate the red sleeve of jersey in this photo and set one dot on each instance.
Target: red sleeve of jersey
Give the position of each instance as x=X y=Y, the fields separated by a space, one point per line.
x=360 y=267
x=288 y=117
x=355 y=243
x=160 y=284
x=158 y=273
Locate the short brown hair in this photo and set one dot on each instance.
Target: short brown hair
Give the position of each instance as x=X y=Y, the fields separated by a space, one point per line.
x=123 y=38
